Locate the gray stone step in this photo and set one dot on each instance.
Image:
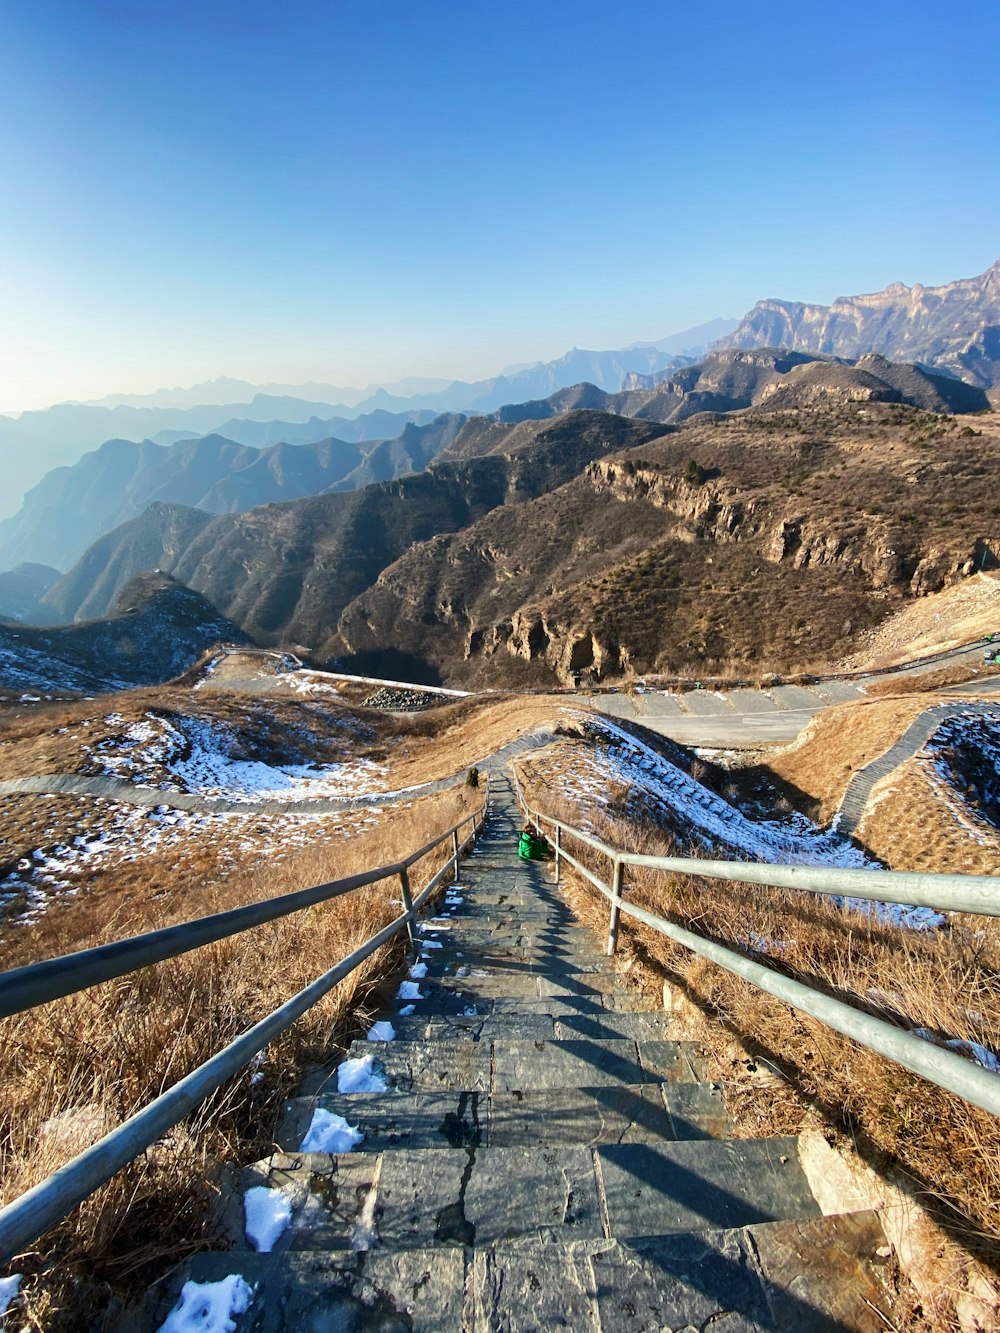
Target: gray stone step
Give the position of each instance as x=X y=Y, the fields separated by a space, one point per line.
x=815 y=1276
x=418 y=1197
x=613 y=1113
x=512 y=1064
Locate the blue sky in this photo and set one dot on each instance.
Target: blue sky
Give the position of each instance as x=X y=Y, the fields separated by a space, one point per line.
x=359 y=190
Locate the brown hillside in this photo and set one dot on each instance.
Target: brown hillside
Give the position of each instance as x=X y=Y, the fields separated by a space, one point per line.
x=760 y=541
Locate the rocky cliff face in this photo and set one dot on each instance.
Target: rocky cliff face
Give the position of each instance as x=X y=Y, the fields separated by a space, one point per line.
x=762 y=542
x=955 y=327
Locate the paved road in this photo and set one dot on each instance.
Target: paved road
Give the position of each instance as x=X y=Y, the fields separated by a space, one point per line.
x=776 y=715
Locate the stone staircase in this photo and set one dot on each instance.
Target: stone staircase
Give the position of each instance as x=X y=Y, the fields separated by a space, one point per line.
x=545 y=1156
x=855 y=799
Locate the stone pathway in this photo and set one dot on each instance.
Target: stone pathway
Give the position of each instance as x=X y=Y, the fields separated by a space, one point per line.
x=913 y=739
x=544 y=1156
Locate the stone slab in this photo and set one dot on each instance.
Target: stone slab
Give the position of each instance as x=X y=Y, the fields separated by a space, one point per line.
x=579 y=1063
x=618 y=1113
x=673 y=1061
x=528 y=1287
x=420 y=1066
x=327 y=1194
x=686 y=1186
x=697 y=1110
x=377 y=1291
x=419 y=1120
x=823 y=1274
x=477 y=1196
x=606 y=1025
x=682 y=1282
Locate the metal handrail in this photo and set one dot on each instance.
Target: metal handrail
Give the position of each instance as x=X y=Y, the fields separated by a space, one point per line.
x=36 y=1211
x=38 y=983
x=935 y=1063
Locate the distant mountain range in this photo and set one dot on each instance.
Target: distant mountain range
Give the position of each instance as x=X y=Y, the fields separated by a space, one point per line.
x=583 y=546
x=288 y=570
x=37 y=441
x=954 y=328
x=73 y=506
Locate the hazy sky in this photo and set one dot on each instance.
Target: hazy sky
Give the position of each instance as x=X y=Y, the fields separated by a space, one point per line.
x=357 y=190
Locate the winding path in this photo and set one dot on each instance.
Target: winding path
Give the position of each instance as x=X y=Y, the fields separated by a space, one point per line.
x=913 y=739
x=130 y=793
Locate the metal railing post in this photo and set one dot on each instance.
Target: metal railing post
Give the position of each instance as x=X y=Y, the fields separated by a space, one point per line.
x=616 y=905
x=558 y=848
x=411 y=916
x=454 y=858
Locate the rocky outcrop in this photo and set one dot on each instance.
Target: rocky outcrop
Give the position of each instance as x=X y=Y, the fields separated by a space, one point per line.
x=955 y=328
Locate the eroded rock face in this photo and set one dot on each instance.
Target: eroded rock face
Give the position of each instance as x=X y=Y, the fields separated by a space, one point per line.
x=955 y=327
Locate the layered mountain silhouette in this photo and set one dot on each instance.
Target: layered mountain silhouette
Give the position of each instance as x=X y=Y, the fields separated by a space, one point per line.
x=954 y=328
x=38 y=440
x=22 y=589
x=72 y=507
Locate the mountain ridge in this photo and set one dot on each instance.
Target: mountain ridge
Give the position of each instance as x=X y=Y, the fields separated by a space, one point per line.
x=954 y=327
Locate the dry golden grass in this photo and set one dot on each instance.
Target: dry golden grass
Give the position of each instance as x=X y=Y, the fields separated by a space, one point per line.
x=934 y=623
x=946 y=981
x=418 y=747
x=83 y=1064
x=947 y=834
x=839 y=741
x=969 y=672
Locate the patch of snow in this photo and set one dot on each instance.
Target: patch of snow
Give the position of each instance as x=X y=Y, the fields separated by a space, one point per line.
x=982 y=1055
x=408 y=990
x=407 y=1010
x=268 y=1213
x=360 y=1075
x=209 y=1307
x=721 y=826
x=382 y=1031
x=431 y=944
x=329 y=1132
x=9 y=1287
x=418 y=971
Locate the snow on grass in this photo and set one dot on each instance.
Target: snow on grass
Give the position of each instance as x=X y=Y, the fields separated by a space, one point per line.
x=382 y=1031
x=715 y=821
x=968 y=739
x=268 y=1213
x=9 y=1287
x=329 y=1132
x=209 y=1307
x=721 y=827
x=198 y=756
x=109 y=833
x=360 y=1075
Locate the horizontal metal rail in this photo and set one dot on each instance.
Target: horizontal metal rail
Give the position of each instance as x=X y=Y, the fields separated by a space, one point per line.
x=978 y=894
x=25 y=987
x=40 y=1208
x=946 y=1068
